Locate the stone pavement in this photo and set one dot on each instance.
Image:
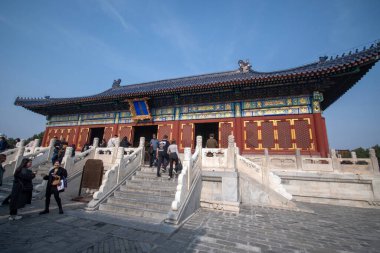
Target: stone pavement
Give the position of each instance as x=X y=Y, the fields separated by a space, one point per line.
x=254 y=229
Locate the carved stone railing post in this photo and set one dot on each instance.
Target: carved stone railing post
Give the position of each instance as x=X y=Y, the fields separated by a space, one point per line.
x=298 y=159
x=231 y=153
x=266 y=168
x=335 y=161
x=199 y=147
x=95 y=144
x=199 y=142
x=36 y=144
x=187 y=164
x=115 y=149
x=68 y=160
x=19 y=157
x=119 y=157
x=51 y=148
x=374 y=160
x=142 y=145
x=354 y=157
x=22 y=143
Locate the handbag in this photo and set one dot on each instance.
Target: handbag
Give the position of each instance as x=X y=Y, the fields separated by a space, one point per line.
x=61 y=186
x=178 y=166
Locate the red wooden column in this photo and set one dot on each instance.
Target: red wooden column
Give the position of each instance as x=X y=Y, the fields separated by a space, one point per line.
x=321 y=134
x=239 y=133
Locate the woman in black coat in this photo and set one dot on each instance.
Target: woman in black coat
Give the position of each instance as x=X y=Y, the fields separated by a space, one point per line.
x=56 y=173
x=22 y=188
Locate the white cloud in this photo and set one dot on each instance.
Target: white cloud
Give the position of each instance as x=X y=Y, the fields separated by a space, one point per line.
x=113 y=12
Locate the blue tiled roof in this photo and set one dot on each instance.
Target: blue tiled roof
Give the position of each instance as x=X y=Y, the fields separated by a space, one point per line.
x=323 y=67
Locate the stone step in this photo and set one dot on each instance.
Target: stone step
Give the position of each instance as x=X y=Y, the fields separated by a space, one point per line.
x=144 y=198
x=148 y=169
x=149 y=185
x=136 y=196
x=155 y=180
x=139 y=203
x=132 y=211
x=151 y=192
x=152 y=174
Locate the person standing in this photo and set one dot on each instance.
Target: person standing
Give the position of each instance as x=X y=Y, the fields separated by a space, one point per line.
x=3 y=144
x=22 y=184
x=211 y=142
x=112 y=142
x=73 y=150
x=103 y=143
x=162 y=154
x=85 y=147
x=56 y=174
x=125 y=143
x=173 y=157
x=3 y=158
x=153 y=150
x=18 y=142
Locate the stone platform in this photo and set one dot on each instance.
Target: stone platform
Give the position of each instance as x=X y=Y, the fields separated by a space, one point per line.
x=255 y=229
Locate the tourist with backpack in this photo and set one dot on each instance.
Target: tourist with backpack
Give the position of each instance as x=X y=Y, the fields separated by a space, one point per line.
x=162 y=154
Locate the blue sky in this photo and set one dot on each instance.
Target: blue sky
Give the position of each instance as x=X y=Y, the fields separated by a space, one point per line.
x=78 y=47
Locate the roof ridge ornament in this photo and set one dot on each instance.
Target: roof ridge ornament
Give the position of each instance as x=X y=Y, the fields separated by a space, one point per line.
x=244 y=66
x=116 y=83
x=323 y=58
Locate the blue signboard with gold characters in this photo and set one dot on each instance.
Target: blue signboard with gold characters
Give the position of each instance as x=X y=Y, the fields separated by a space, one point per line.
x=139 y=109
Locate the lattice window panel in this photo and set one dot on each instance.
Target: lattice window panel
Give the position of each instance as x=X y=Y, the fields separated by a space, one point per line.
x=252 y=140
x=50 y=136
x=125 y=132
x=65 y=134
x=302 y=134
x=187 y=134
x=59 y=134
x=225 y=131
x=284 y=134
x=83 y=137
x=107 y=133
x=267 y=130
x=71 y=136
x=162 y=130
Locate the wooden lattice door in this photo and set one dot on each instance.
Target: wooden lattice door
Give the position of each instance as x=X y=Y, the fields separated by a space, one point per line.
x=187 y=135
x=165 y=129
x=225 y=129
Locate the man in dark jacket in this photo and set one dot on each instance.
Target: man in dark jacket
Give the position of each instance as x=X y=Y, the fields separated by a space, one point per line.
x=211 y=142
x=162 y=154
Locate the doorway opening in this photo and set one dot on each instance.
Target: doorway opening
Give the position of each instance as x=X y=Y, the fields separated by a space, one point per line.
x=143 y=131
x=205 y=129
x=97 y=132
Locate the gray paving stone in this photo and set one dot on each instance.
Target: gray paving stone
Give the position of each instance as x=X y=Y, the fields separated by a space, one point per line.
x=254 y=229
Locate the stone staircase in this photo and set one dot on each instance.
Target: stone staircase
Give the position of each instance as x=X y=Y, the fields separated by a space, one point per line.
x=144 y=195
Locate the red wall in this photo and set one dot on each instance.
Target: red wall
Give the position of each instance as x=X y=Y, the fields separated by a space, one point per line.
x=280 y=134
